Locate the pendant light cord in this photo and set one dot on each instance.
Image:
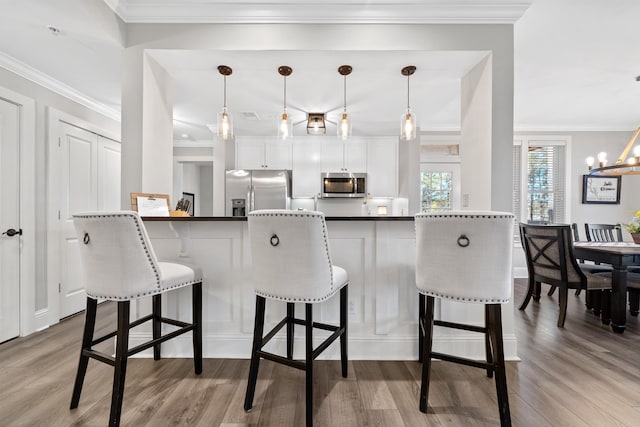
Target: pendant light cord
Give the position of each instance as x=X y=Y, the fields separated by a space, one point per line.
x=225 y=92
x=345 y=93
x=408 y=107
x=285 y=92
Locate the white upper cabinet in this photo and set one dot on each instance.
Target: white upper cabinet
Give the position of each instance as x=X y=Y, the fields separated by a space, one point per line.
x=307 y=166
x=262 y=153
x=382 y=171
x=348 y=156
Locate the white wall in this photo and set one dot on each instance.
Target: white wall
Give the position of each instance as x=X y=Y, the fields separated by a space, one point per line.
x=46 y=98
x=496 y=39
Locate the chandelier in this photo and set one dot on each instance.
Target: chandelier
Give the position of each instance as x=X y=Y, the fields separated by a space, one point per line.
x=623 y=166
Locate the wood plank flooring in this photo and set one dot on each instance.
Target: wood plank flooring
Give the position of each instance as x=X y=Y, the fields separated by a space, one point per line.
x=582 y=375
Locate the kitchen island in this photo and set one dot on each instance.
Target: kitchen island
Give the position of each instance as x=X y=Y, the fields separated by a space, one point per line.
x=378 y=253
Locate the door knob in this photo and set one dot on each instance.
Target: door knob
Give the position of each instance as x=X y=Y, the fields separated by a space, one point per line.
x=11 y=232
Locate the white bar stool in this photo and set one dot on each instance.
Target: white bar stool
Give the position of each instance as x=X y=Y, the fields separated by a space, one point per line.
x=119 y=264
x=465 y=257
x=291 y=263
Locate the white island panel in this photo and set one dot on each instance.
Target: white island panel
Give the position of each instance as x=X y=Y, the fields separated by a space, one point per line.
x=379 y=256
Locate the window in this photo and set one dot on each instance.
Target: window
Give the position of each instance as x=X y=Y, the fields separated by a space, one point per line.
x=539 y=177
x=439 y=187
x=436 y=191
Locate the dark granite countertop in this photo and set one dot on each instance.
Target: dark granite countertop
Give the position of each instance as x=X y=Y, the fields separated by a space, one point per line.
x=243 y=218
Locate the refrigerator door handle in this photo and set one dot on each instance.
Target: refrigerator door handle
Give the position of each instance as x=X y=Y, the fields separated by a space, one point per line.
x=252 y=198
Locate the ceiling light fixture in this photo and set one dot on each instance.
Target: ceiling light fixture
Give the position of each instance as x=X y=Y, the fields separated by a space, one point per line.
x=344 y=124
x=285 y=126
x=408 y=120
x=622 y=166
x=315 y=124
x=225 y=121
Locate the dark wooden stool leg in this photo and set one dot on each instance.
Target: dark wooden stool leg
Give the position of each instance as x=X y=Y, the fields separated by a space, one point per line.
x=156 y=323
x=426 y=354
x=87 y=337
x=495 y=327
x=344 y=298
x=196 y=308
x=309 y=362
x=291 y=312
x=120 y=363
x=487 y=340
x=421 y=308
x=255 y=357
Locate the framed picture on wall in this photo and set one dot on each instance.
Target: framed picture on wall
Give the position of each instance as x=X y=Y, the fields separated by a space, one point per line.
x=601 y=189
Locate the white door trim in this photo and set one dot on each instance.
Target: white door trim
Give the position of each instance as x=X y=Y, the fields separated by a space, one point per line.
x=28 y=315
x=54 y=117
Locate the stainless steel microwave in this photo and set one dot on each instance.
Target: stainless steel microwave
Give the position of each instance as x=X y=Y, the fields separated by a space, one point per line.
x=343 y=184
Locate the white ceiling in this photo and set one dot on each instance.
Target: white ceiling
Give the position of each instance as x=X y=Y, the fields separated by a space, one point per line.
x=575 y=62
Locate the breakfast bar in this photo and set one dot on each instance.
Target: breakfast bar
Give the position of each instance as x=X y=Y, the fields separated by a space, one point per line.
x=378 y=253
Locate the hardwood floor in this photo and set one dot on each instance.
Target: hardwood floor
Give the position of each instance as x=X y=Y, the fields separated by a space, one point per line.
x=582 y=375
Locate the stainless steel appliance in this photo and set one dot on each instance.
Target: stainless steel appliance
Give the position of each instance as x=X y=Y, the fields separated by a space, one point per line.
x=249 y=190
x=343 y=184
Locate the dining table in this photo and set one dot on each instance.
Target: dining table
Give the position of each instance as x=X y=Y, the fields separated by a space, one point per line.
x=620 y=255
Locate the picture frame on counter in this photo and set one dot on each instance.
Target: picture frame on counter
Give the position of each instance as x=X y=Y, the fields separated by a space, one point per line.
x=601 y=189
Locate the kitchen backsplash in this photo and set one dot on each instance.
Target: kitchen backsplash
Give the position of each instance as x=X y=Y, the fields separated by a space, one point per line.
x=371 y=206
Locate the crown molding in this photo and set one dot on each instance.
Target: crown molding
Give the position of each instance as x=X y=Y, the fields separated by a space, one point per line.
x=320 y=12
x=26 y=71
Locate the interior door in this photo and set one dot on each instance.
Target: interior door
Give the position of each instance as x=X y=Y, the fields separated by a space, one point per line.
x=89 y=181
x=9 y=220
x=79 y=170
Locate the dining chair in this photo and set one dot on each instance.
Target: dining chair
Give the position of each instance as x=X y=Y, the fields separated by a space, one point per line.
x=603 y=232
x=119 y=264
x=550 y=259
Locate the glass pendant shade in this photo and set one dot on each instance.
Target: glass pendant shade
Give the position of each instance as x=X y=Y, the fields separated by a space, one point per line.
x=285 y=126
x=344 y=125
x=408 y=126
x=408 y=119
x=344 y=122
x=225 y=121
x=225 y=125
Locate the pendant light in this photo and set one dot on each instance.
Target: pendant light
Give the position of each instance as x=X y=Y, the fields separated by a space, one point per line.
x=285 y=126
x=408 y=119
x=225 y=121
x=344 y=124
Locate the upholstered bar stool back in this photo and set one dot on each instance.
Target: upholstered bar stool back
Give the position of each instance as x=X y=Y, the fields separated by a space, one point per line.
x=119 y=264
x=291 y=263
x=466 y=257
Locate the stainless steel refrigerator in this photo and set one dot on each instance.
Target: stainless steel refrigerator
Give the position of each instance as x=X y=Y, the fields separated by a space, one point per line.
x=249 y=190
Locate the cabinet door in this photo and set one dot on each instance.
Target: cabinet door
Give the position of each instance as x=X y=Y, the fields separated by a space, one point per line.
x=333 y=157
x=307 y=167
x=250 y=154
x=355 y=156
x=382 y=168
x=277 y=155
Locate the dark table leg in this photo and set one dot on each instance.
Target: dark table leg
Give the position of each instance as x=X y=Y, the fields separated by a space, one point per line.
x=619 y=299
